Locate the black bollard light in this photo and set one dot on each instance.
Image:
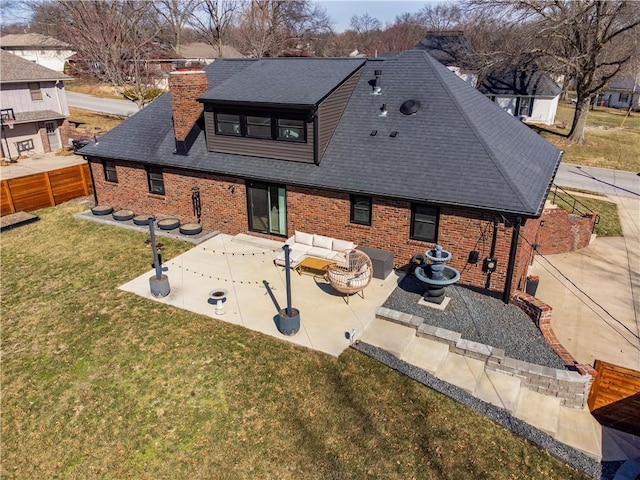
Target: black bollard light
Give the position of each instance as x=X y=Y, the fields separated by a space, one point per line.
x=159 y=283
x=288 y=318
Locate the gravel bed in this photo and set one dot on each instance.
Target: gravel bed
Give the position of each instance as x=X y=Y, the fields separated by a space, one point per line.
x=559 y=450
x=481 y=318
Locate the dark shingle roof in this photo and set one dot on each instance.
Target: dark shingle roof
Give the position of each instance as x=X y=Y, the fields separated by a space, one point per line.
x=519 y=80
x=453 y=50
x=458 y=149
x=15 y=69
x=306 y=80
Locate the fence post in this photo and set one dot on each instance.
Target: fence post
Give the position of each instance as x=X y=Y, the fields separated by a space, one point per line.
x=47 y=182
x=7 y=192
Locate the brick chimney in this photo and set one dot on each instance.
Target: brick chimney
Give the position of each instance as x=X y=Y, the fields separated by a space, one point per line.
x=186 y=84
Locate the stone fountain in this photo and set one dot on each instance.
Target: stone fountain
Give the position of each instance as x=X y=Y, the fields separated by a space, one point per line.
x=436 y=275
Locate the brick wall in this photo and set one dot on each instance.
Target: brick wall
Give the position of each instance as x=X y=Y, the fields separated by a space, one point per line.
x=224 y=208
x=563 y=232
x=223 y=199
x=460 y=231
x=185 y=86
x=42 y=131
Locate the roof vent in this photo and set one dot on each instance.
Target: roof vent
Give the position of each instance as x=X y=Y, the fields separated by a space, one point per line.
x=410 y=107
x=383 y=110
x=376 y=85
x=374 y=133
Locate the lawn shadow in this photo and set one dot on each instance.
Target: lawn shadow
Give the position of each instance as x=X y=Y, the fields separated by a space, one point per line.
x=539 y=129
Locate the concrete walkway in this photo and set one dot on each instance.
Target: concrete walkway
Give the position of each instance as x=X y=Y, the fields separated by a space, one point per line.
x=595 y=293
x=576 y=428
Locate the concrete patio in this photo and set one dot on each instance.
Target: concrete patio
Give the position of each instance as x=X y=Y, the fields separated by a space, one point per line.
x=241 y=265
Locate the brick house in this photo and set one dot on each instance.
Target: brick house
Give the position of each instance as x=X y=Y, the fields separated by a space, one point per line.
x=394 y=153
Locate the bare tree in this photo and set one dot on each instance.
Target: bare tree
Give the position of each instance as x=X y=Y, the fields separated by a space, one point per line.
x=176 y=14
x=213 y=19
x=582 y=39
x=368 y=30
x=115 y=38
x=270 y=27
x=441 y=17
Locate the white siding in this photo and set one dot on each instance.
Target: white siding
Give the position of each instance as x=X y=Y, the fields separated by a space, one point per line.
x=544 y=110
x=18 y=97
x=53 y=59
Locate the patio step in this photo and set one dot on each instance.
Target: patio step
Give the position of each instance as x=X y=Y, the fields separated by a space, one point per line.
x=400 y=334
x=259 y=242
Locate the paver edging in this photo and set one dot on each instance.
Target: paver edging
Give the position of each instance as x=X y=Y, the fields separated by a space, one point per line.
x=571 y=387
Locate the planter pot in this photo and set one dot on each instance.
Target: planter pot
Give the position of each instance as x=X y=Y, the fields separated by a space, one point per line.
x=141 y=220
x=123 y=215
x=531 y=287
x=168 y=224
x=288 y=325
x=159 y=287
x=102 y=210
x=190 y=228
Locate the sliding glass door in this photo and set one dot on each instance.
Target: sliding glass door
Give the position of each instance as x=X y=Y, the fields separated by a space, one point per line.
x=267 y=206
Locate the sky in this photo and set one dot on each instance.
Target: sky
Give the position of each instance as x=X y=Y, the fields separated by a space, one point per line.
x=384 y=10
x=340 y=11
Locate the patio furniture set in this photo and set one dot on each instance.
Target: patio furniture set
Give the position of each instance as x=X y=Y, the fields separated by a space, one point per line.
x=348 y=269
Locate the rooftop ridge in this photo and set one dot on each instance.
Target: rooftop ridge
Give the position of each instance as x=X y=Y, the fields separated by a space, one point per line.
x=478 y=135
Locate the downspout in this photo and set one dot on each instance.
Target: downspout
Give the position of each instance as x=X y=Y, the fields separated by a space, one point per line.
x=506 y=295
x=55 y=87
x=93 y=182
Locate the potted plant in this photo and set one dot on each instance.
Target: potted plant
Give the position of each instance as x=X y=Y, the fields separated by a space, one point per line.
x=532 y=284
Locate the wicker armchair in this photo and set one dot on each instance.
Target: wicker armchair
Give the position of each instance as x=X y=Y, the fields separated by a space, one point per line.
x=353 y=276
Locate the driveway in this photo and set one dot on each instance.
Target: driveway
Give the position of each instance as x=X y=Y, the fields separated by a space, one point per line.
x=595 y=291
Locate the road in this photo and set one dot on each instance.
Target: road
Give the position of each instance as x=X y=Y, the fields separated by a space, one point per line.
x=111 y=106
x=601 y=180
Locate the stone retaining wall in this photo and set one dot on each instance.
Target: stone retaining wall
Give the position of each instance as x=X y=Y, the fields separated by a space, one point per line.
x=571 y=386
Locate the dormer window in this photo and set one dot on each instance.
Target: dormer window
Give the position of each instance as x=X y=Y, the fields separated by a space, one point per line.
x=259 y=127
x=285 y=127
x=228 y=124
x=292 y=130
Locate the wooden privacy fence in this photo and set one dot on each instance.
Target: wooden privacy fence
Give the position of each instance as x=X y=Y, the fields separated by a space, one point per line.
x=45 y=189
x=614 y=399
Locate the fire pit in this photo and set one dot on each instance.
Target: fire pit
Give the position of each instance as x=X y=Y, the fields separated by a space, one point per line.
x=219 y=297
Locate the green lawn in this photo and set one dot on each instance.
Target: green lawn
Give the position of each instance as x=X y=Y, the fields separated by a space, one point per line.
x=611 y=145
x=100 y=383
x=609 y=221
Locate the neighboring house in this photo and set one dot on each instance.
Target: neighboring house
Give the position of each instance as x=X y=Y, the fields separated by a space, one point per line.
x=43 y=50
x=622 y=93
x=203 y=52
x=521 y=90
x=33 y=105
x=393 y=153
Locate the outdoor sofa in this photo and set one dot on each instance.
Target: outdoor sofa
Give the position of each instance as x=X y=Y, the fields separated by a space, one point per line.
x=304 y=245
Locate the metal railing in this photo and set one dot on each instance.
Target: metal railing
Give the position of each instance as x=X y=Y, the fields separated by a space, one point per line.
x=572 y=203
x=7 y=115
